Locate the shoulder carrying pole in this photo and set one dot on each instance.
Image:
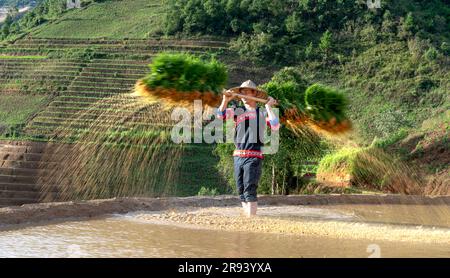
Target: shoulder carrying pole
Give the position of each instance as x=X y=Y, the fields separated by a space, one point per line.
x=262 y=100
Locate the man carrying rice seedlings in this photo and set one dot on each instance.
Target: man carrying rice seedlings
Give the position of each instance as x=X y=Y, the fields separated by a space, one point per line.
x=250 y=123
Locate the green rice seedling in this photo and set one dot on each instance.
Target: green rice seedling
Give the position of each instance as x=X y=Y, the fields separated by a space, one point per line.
x=186 y=73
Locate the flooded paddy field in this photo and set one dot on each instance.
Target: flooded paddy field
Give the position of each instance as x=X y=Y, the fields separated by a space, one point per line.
x=305 y=226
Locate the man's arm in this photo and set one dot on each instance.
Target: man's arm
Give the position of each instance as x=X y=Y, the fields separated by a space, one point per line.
x=222 y=110
x=272 y=119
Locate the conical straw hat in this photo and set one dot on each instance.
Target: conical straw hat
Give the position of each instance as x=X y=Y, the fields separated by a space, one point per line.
x=249 y=85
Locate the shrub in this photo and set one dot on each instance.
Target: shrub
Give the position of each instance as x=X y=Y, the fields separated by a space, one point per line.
x=326 y=42
x=225 y=166
x=445 y=47
x=310 y=51
x=291 y=74
x=257 y=47
x=431 y=54
x=295 y=24
x=391 y=140
x=208 y=191
x=3 y=128
x=341 y=160
x=371 y=168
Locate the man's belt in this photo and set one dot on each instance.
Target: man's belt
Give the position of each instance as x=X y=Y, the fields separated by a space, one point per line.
x=248 y=153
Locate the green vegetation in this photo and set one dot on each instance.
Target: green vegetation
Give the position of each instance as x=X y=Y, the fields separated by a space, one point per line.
x=22 y=57
x=118 y=19
x=287 y=31
x=288 y=94
x=112 y=16
x=15 y=111
x=371 y=168
x=208 y=191
x=27 y=84
x=186 y=73
x=321 y=104
x=342 y=160
x=391 y=64
x=394 y=86
x=197 y=169
x=391 y=140
x=288 y=87
x=44 y=11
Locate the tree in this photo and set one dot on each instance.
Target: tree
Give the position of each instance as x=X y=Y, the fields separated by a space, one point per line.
x=309 y=51
x=217 y=16
x=5 y=31
x=326 y=43
x=407 y=26
x=388 y=26
x=13 y=11
x=173 y=20
x=294 y=24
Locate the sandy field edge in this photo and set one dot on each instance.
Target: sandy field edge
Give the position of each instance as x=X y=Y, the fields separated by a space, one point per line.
x=35 y=213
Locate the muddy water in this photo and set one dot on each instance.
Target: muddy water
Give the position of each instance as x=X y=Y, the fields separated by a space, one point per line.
x=221 y=232
x=426 y=215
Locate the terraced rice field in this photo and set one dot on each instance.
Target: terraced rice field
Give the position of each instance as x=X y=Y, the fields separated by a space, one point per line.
x=37 y=75
x=92 y=86
x=35 y=46
x=99 y=79
x=111 y=19
x=76 y=84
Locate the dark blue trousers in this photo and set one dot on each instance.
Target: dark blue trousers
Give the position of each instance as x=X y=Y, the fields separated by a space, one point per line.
x=247 y=171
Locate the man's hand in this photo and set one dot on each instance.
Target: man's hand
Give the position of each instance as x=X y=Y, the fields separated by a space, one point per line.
x=227 y=96
x=271 y=102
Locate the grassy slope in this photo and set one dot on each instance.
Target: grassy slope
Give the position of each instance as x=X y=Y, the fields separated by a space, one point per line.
x=390 y=89
x=117 y=19
x=400 y=98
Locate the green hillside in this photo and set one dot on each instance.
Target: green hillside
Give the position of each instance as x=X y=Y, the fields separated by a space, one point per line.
x=392 y=62
x=118 y=19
